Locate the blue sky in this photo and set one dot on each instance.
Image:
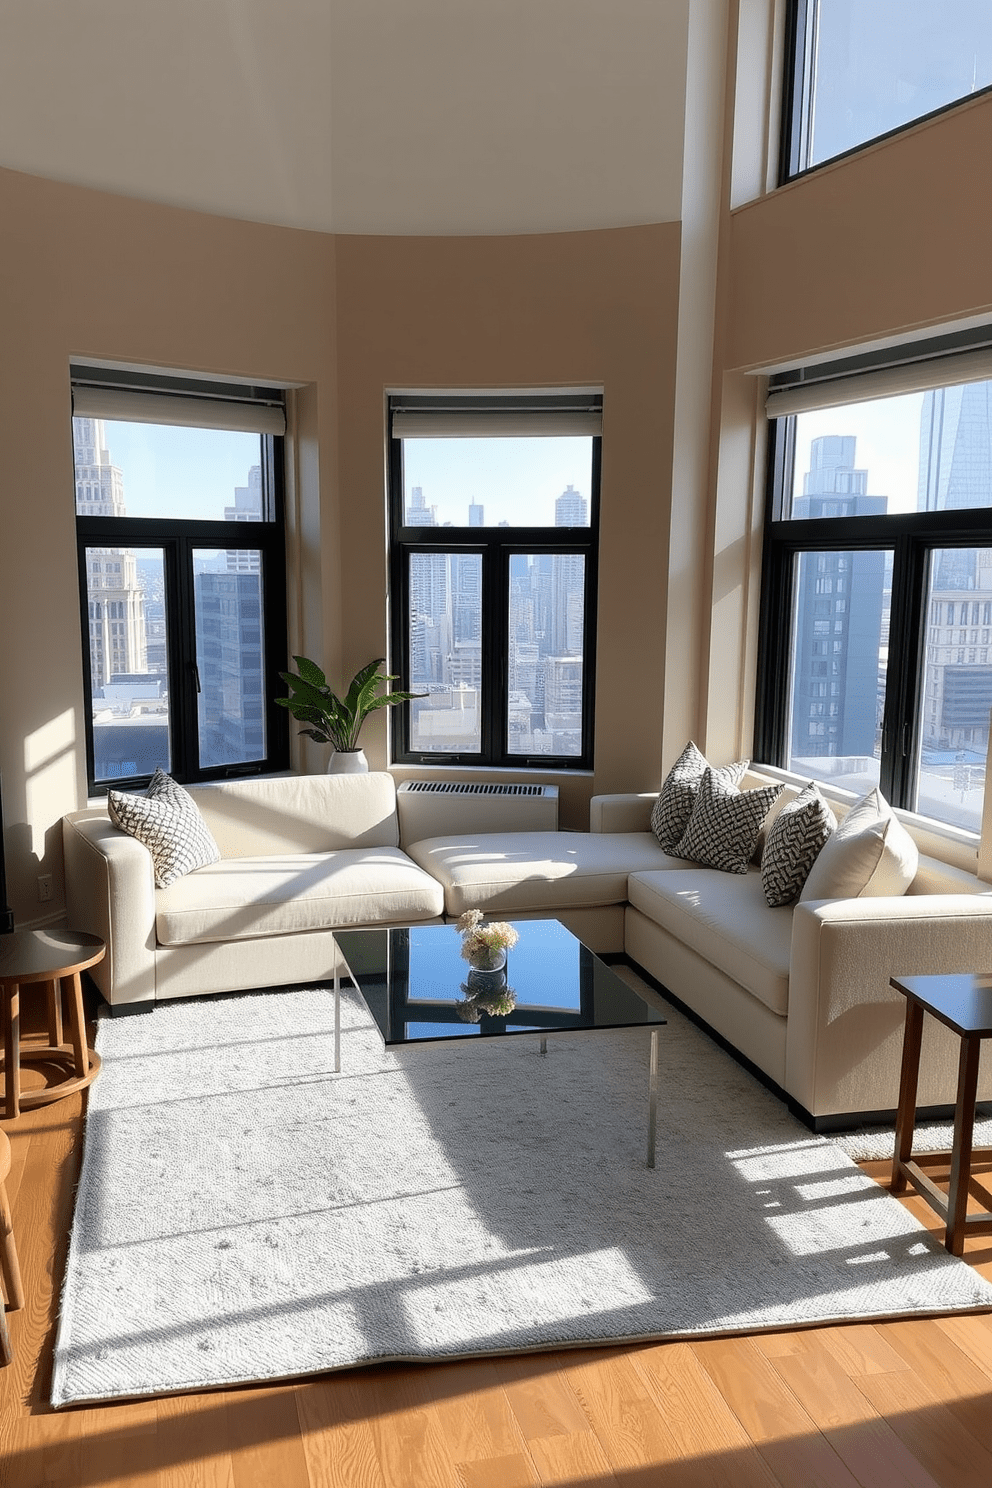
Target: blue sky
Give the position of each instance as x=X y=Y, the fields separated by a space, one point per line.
x=171 y=472
x=516 y=480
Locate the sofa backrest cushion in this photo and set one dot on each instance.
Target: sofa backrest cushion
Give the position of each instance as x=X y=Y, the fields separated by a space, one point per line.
x=299 y=813
x=869 y=855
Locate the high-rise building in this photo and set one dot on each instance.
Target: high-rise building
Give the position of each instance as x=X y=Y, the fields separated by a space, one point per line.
x=247 y=507
x=836 y=661
x=956 y=474
x=115 y=601
x=568 y=579
x=228 y=612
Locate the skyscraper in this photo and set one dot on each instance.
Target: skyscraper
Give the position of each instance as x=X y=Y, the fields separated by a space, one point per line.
x=839 y=604
x=956 y=474
x=115 y=601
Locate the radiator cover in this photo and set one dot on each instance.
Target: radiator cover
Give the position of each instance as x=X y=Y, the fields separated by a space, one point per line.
x=442 y=808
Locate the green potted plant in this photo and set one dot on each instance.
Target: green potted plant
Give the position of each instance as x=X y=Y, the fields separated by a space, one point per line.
x=338 y=720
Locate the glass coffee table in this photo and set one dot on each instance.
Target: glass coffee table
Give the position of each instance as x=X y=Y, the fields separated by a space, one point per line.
x=420 y=991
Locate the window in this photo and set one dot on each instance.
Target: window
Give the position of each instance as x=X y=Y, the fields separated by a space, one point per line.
x=183 y=631
x=857 y=71
x=494 y=530
x=913 y=538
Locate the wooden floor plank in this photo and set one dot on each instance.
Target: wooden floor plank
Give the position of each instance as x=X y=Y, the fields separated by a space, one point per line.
x=570 y=1458
x=338 y=1442
x=951 y=1376
x=191 y=1442
x=876 y=1456
x=517 y=1471
x=784 y=1433
x=541 y=1399
x=929 y=1429
x=621 y=1411
x=409 y=1444
x=973 y=1336
x=705 y=1430
x=118 y=1446
x=474 y=1415
x=263 y=1428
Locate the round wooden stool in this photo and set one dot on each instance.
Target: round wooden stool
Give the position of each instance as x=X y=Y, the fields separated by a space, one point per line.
x=8 y=1255
x=51 y=959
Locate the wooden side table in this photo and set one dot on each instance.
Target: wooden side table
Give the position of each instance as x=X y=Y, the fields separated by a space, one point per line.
x=51 y=959
x=964 y=1004
x=9 y=1269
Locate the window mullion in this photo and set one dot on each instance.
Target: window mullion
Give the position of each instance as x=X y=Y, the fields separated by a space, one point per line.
x=182 y=656
x=904 y=672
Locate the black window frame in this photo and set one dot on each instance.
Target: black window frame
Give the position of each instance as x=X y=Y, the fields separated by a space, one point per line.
x=912 y=538
x=177 y=539
x=496 y=545
x=800 y=28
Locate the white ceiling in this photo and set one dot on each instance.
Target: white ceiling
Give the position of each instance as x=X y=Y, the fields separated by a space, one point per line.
x=356 y=116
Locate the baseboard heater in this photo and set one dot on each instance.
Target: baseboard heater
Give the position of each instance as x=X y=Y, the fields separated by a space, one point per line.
x=440 y=808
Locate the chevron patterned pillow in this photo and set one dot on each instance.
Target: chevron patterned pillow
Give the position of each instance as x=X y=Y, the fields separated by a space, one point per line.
x=725 y=823
x=168 y=823
x=794 y=840
x=673 y=808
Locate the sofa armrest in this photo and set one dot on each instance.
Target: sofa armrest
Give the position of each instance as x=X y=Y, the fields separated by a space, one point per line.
x=621 y=813
x=110 y=891
x=845 y=1024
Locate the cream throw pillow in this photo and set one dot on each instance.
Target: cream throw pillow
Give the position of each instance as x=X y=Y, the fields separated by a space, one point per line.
x=870 y=855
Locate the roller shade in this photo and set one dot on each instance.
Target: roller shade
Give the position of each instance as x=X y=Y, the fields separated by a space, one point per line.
x=164 y=408
x=504 y=415
x=885 y=382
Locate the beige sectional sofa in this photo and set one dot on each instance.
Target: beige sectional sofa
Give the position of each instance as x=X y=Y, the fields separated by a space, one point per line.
x=802 y=991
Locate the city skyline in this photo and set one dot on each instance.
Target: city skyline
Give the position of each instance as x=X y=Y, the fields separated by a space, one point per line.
x=128 y=621
x=545 y=620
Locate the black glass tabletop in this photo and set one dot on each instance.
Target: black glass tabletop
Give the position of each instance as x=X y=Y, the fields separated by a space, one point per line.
x=419 y=988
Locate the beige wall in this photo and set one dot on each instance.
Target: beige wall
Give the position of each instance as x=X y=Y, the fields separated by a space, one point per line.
x=895 y=239
x=577 y=308
x=90 y=274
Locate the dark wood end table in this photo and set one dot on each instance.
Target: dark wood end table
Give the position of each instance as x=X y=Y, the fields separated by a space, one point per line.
x=52 y=959
x=962 y=1003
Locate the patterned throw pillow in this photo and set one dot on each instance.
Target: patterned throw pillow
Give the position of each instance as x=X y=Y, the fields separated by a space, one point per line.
x=167 y=821
x=794 y=840
x=673 y=808
x=725 y=823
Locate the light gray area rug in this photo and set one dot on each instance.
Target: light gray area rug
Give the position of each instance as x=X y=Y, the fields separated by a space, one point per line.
x=244 y=1214
x=877 y=1143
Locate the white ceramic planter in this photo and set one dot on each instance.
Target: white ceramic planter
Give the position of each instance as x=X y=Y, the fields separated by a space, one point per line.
x=348 y=762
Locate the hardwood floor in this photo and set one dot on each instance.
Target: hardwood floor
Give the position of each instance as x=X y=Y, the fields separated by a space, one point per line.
x=902 y=1403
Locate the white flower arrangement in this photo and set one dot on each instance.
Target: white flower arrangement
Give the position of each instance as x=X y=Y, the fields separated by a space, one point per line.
x=482 y=941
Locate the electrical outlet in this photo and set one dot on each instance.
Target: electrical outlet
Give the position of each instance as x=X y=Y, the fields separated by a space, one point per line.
x=44 y=887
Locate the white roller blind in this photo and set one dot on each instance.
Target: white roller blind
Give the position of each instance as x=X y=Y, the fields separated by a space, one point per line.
x=885 y=382
x=165 y=408
x=495 y=424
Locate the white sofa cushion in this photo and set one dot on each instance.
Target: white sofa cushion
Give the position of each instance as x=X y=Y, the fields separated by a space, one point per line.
x=725 y=919
x=299 y=813
x=869 y=855
x=244 y=898
x=519 y=871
